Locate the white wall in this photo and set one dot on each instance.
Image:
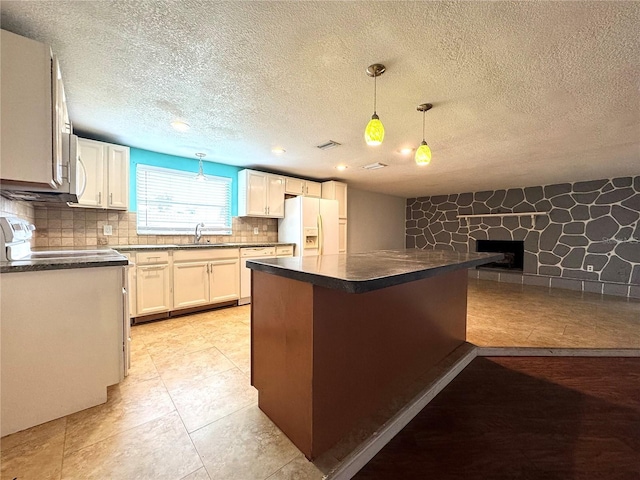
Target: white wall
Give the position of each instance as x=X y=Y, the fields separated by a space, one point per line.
x=376 y=221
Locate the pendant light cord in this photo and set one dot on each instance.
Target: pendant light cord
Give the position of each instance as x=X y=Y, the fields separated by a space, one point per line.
x=375 y=89
x=423 y=115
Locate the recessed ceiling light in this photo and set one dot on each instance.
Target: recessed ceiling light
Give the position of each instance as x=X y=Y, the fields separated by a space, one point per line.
x=278 y=150
x=406 y=151
x=180 y=126
x=341 y=167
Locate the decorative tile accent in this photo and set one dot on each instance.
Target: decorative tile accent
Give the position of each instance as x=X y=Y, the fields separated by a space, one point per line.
x=588 y=223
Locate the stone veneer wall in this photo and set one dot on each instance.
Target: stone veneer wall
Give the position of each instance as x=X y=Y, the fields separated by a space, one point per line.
x=79 y=227
x=588 y=223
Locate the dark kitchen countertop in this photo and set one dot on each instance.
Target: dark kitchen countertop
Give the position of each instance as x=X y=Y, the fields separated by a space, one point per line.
x=364 y=272
x=65 y=259
x=189 y=246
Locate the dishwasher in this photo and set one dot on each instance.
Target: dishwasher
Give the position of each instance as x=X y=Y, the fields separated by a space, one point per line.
x=245 y=274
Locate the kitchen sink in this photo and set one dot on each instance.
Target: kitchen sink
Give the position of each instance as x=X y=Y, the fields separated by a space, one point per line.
x=201 y=245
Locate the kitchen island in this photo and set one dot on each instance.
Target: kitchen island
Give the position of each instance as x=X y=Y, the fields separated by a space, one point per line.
x=335 y=337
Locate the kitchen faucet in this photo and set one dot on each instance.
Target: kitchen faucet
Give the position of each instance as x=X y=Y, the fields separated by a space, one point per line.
x=198 y=234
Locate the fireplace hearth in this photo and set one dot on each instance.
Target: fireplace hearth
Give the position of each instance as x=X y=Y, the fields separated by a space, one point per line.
x=513 y=254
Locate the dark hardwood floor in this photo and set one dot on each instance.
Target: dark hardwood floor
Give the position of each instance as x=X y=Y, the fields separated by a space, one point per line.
x=524 y=418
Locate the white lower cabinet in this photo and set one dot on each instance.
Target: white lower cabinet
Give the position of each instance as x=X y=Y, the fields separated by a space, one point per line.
x=153 y=289
x=62 y=338
x=224 y=281
x=190 y=284
x=203 y=276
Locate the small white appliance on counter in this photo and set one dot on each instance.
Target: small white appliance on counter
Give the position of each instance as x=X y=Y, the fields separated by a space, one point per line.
x=310 y=223
x=15 y=235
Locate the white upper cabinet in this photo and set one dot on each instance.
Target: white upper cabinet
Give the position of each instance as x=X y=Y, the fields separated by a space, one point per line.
x=90 y=173
x=336 y=191
x=294 y=186
x=275 y=196
x=313 y=189
x=260 y=194
x=103 y=175
x=118 y=177
x=298 y=186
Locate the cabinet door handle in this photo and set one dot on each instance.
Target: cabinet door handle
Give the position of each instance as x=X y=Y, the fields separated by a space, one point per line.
x=111 y=199
x=99 y=197
x=84 y=177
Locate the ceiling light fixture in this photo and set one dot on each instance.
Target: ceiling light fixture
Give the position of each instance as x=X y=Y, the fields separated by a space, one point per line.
x=328 y=145
x=423 y=153
x=406 y=151
x=374 y=166
x=342 y=168
x=278 y=150
x=180 y=126
x=374 y=133
x=200 y=177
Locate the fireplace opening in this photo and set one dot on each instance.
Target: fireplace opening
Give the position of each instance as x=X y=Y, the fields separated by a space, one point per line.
x=513 y=254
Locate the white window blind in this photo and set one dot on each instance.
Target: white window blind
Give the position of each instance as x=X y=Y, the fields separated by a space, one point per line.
x=173 y=202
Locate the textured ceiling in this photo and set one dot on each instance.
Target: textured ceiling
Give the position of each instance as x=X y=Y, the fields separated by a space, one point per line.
x=525 y=93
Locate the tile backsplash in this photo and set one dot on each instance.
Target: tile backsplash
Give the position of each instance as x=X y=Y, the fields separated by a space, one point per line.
x=79 y=227
x=23 y=210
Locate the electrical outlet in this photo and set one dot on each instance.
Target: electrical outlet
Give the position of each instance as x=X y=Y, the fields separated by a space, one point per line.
x=589 y=268
x=107 y=230
x=256 y=231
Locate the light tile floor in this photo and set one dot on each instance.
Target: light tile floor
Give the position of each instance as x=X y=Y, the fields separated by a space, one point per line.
x=506 y=314
x=187 y=410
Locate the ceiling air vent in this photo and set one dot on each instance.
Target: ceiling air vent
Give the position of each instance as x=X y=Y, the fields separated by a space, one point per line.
x=328 y=145
x=375 y=166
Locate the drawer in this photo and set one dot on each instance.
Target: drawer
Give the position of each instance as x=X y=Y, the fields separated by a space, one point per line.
x=204 y=254
x=284 y=250
x=255 y=252
x=147 y=258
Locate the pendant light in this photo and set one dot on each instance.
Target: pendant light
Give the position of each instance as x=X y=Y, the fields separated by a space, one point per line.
x=423 y=153
x=374 y=133
x=200 y=177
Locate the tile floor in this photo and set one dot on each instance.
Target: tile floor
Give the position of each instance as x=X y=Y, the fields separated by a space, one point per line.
x=506 y=314
x=187 y=411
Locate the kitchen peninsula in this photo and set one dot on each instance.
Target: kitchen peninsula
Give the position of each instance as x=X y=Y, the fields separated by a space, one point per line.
x=336 y=337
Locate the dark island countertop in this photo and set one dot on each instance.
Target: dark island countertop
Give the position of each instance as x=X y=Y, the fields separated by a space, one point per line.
x=365 y=272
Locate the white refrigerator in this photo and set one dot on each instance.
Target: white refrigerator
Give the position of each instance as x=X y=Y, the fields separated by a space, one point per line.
x=310 y=223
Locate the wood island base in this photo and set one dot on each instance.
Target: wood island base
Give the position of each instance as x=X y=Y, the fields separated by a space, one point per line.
x=324 y=359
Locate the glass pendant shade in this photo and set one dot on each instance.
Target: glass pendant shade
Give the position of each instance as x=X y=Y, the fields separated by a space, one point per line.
x=200 y=176
x=374 y=133
x=423 y=154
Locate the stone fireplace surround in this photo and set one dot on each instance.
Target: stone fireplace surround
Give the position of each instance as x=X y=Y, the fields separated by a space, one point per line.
x=587 y=223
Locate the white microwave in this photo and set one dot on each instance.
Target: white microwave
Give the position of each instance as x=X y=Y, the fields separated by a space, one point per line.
x=66 y=191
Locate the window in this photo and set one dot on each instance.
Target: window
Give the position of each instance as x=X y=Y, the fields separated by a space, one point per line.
x=173 y=202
